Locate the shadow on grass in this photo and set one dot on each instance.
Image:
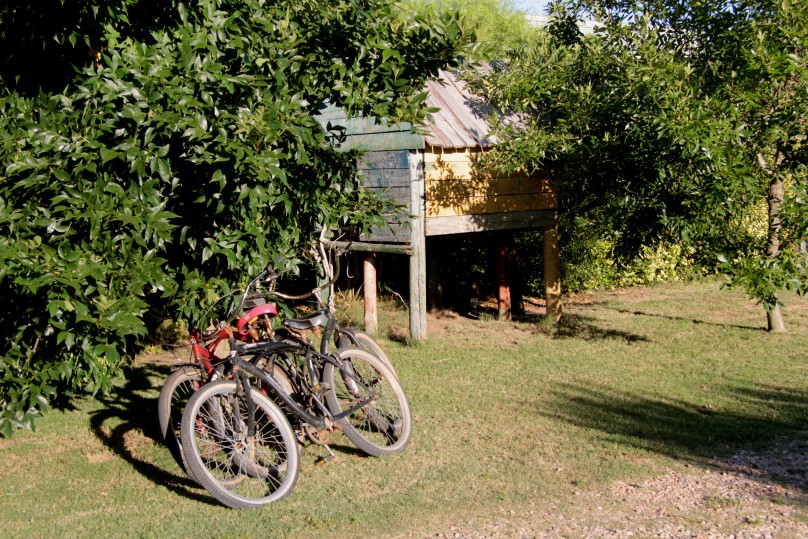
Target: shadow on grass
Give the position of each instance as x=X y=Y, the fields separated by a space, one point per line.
x=576 y=326
x=692 y=320
x=697 y=433
x=128 y=416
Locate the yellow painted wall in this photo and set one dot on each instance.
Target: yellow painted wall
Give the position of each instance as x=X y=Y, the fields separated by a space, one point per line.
x=455 y=184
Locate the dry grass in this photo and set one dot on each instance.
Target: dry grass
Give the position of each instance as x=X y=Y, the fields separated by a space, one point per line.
x=509 y=416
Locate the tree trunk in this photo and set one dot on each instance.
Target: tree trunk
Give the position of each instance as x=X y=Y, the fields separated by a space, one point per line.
x=775 y=200
x=775 y=319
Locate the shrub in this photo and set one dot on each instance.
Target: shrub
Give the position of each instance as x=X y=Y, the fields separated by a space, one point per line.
x=182 y=159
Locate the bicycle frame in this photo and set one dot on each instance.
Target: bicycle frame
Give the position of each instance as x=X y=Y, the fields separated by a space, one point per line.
x=204 y=354
x=241 y=366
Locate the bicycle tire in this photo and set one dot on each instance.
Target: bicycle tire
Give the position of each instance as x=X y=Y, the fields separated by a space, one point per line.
x=239 y=472
x=177 y=390
x=360 y=339
x=382 y=426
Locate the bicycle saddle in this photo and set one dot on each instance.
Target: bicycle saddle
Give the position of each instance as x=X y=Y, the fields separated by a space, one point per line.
x=255 y=312
x=310 y=321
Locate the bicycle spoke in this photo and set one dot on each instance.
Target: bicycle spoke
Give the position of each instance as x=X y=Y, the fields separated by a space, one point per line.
x=241 y=471
x=370 y=403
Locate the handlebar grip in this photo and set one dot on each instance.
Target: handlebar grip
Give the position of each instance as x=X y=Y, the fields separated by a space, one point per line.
x=274 y=274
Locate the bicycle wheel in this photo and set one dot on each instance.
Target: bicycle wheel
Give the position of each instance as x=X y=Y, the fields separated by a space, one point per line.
x=360 y=339
x=383 y=424
x=240 y=471
x=174 y=395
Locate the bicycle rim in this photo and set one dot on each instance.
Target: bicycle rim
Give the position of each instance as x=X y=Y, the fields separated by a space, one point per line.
x=376 y=413
x=240 y=471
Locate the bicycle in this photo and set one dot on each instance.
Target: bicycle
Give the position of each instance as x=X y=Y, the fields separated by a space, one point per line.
x=256 y=325
x=324 y=318
x=207 y=366
x=225 y=442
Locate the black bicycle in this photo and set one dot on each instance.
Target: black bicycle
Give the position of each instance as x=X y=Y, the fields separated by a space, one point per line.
x=253 y=318
x=239 y=436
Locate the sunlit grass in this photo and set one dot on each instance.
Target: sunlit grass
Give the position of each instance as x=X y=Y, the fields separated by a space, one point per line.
x=506 y=414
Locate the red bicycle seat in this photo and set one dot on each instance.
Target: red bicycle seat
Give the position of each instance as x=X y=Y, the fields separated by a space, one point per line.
x=252 y=314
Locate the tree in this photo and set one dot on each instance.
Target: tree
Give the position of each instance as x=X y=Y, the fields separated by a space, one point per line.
x=495 y=23
x=175 y=155
x=676 y=120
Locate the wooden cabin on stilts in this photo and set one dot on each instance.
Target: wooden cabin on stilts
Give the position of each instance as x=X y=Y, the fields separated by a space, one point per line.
x=438 y=176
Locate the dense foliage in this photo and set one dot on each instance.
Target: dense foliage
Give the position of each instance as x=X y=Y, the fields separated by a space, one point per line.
x=675 y=121
x=496 y=24
x=154 y=153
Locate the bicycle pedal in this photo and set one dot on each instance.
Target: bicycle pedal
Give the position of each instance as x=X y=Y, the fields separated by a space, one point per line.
x=328 y=458
x=320 y=390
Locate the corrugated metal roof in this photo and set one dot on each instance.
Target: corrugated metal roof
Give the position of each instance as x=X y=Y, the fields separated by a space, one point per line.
x=461 y=122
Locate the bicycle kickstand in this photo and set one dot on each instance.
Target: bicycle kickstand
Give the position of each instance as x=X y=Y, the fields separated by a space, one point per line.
x=328 y=458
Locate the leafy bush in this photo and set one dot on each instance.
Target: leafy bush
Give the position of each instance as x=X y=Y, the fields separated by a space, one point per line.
x=590 y=263
x=181 y=160
x=672 y=123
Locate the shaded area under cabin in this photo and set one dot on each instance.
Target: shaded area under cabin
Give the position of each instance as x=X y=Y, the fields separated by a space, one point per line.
x=439 y=176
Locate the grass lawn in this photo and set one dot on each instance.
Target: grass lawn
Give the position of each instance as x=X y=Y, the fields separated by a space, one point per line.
x=512 y=415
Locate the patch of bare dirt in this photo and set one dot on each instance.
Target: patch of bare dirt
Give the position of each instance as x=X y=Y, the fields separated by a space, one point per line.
x=749 y=495
x=167 y=355
x=479 y=330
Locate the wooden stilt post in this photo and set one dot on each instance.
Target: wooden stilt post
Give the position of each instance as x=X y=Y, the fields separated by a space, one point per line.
x=434 y=286
x=517 y=296
x=502 y=244
x=552 y=271
x=371 y=302
x=418 y=242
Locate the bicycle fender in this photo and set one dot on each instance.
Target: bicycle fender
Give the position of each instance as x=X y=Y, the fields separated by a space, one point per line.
x=178 y=366
x=255 y=312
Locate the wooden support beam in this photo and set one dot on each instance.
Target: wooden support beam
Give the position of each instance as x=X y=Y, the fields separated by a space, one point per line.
x=418 y=256
x=367 y=247
x=502 y=246
x=371 y=303
x=552 y=272
x=488 y=222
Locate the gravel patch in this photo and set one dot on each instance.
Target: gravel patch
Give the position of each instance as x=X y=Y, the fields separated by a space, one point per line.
x=749 y=495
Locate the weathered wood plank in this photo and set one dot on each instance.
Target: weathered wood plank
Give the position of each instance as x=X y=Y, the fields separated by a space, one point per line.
x=336 y=117
x=384 y=141
x=401 y=195
x=491 y=204
x=360 y=126
x=458 y=170
x=437 y=190
x=368 y=247
x=387 y=177
x=462 y=224
x=399 y=233
x=370 y=287
x=329 y=113
x=418 y=258
x=448 y=171
x=385 y=159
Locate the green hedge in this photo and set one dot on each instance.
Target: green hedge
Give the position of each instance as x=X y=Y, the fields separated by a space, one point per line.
x=175 y=164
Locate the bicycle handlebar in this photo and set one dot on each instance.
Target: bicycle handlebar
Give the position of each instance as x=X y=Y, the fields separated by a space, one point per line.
x=313 y=292
x=271 y=274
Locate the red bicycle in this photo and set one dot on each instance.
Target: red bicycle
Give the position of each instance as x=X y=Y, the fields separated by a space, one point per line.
x=210 y=353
